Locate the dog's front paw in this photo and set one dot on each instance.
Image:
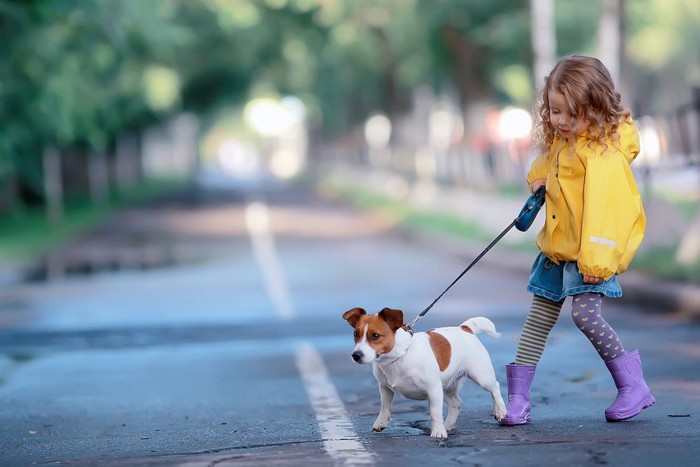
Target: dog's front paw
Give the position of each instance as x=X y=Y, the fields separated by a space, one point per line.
x=438 y=432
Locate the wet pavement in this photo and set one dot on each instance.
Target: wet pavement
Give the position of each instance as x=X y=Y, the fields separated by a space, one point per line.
x=233 y=352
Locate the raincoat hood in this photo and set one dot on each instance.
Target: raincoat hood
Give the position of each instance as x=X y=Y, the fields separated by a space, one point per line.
x=628 y=143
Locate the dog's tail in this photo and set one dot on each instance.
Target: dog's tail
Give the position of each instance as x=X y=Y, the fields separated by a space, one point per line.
x=481 y=324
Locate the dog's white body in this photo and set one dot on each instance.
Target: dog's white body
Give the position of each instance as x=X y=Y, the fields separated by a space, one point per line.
x=425 y=365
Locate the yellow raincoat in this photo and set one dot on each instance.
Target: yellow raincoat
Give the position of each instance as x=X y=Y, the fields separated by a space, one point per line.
x=594 y=211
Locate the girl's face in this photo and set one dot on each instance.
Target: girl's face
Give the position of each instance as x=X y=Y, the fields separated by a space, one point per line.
x=564 y=119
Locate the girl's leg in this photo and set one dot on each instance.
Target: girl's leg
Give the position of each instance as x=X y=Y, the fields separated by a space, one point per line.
x=633 y=394
x=586 y=313
x=540 y=320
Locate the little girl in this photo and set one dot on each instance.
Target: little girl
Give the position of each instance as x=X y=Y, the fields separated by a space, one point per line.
x=594 y=226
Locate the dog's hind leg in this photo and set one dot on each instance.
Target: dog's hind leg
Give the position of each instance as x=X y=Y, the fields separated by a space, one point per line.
x=454 y=404
x=386 y=396
x=486 y=378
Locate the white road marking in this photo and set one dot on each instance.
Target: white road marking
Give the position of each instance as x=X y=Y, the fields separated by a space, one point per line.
x=339 y=439
x=257 y=219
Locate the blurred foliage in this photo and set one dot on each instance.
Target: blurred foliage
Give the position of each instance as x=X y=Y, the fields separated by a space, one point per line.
x=661 y=262
x=77 y=74
x=662 y=49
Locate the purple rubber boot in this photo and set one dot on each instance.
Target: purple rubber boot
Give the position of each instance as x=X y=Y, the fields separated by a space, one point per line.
x=519 y=380
x=633 y=394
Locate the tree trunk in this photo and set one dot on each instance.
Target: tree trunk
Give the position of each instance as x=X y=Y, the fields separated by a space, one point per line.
x=544 y=39
x=469 y=67
x=53 y=186
x=12 y=200
x=127 y=162
x=689 y=249
x=610 y=37
x=99 y=178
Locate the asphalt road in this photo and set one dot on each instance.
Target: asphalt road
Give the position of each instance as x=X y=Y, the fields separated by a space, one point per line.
x=224 y=345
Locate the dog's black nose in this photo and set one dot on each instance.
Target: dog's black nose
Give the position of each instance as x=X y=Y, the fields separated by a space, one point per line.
x=357 y=355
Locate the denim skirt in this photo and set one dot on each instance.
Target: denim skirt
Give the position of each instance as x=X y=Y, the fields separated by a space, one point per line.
x=556 y=282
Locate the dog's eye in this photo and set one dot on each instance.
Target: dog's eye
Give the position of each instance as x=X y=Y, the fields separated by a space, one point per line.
x=374 y=336
x=356 y=334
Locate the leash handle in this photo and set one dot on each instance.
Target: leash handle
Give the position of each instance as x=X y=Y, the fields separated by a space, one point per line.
x=529 y=212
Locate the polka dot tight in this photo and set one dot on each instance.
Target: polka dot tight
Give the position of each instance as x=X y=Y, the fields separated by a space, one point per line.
x=586 y=313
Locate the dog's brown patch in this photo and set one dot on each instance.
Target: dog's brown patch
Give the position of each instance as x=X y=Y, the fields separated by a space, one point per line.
x=467 y=329
x=441 y=348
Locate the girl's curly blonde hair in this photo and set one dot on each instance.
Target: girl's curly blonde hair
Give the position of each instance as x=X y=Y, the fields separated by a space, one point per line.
x=590 y=95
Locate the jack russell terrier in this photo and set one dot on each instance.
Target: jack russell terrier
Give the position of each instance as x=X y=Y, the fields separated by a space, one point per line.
x=425 y=365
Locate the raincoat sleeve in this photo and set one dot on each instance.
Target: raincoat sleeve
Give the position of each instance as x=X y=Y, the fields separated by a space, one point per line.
x=613 y=216
x=538 y=169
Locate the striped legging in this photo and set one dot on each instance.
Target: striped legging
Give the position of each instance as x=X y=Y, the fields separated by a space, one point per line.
x=540 y=320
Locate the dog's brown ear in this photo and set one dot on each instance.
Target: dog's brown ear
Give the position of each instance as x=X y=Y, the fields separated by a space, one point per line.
x=353 y=316
x=393 y=317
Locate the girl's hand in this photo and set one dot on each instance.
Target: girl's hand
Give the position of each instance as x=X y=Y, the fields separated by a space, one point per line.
x=538 y=183
x=591 y=279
